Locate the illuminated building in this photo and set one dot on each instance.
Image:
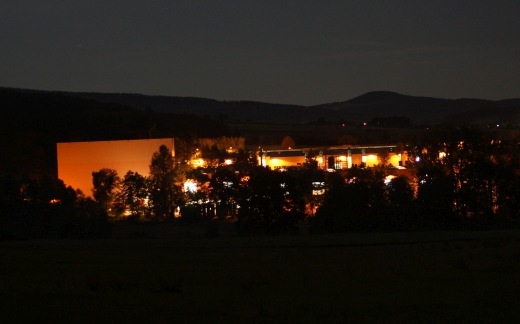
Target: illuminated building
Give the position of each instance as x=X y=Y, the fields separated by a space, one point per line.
x=77 y=160
x=335 y=158
x=203 y=156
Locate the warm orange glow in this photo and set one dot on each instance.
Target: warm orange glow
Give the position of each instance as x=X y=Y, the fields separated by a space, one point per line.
x=263 y=162
x=389 y=179
x=371 y=160
x=77 y=160
x=190 y=185
x=395 y=159
x=319 y=160
x=197 y=163
x=279 y=162
x=276 y=159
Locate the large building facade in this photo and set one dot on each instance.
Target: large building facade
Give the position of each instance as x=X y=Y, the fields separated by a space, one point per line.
x=335 y=158
x=77 y=160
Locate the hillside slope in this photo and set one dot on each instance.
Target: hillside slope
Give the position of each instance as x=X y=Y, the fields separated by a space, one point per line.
x=376 y=104
x=423 y=110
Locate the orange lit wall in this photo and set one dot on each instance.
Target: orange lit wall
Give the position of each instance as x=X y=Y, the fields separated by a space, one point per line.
x=77 y=160
x=276 y=162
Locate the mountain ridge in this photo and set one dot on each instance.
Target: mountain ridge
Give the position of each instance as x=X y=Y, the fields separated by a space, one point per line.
x=374 y=104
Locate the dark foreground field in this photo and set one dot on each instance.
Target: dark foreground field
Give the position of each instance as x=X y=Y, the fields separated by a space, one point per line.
x=394 y=277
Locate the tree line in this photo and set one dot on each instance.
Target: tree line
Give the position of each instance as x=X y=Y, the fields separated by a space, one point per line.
x=458 y=178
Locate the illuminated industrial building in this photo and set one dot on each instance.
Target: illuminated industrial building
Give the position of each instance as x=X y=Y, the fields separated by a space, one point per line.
x=77 y=160
x=335 y=158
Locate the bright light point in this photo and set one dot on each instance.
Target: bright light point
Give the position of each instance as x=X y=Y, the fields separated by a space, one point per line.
x=228 y=161
x=227 y=184
x=190 y=186
x=417 y=159
x=389 y=179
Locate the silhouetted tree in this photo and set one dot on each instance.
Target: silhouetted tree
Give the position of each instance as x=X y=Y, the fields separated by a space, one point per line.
x=224 y=186
x=46 y=208
x=460 y=173
x=347 y=140
x=105 y=187
x=355 y=203
x=163 y=192
x=268 y=203
x=287 y=143
x=134 y=191
x=507 y=191
x=214 y=156
x=400 y=197
x=198 y=205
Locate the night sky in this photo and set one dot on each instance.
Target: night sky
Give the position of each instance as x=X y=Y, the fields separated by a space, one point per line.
x=283 y=51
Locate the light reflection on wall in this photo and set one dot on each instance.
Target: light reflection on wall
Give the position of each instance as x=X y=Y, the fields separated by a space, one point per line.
x=77 y=160
x=371 y=160
x=395 y=159
x=278 y=162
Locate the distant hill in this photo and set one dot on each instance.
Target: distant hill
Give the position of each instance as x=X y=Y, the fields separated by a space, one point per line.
x=427 y=110
x=424 y=110
x=224 y=110
x=70 y=117
x=420 y=110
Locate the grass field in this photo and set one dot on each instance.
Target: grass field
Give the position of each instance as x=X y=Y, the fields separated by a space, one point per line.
x=382 y=277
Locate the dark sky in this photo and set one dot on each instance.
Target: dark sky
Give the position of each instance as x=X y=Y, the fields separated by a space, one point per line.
x=282 y=51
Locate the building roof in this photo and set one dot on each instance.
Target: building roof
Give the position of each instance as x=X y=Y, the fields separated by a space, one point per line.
x=335 y=150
